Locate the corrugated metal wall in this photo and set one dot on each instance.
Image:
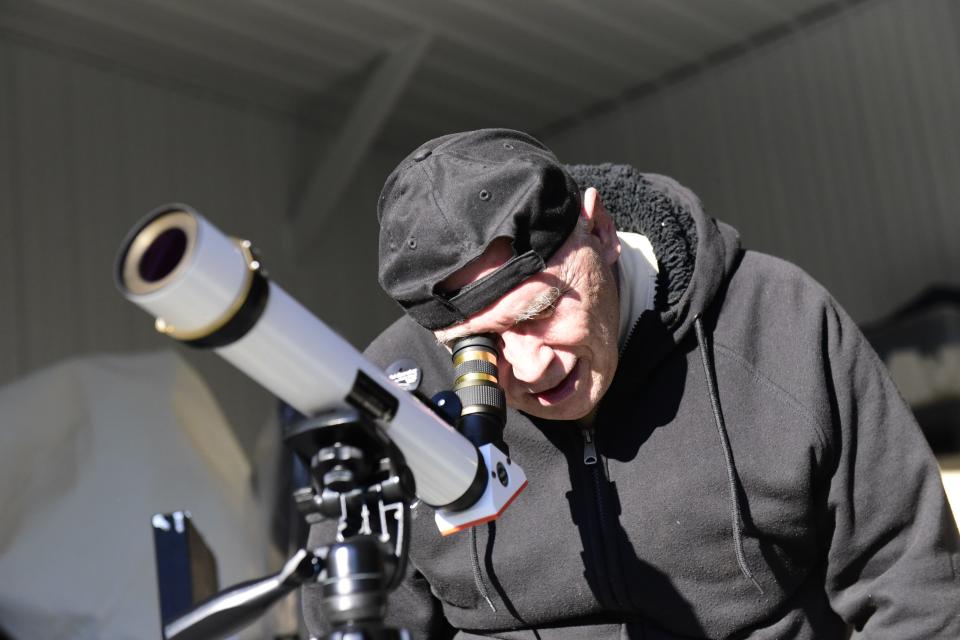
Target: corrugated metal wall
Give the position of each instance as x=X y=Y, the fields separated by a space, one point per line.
x=837 y=147
x=86 y=150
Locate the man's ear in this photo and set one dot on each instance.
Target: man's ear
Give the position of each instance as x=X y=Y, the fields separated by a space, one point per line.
x=600 y=225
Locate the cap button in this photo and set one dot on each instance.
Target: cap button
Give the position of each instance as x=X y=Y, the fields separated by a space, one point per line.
x=422 y=155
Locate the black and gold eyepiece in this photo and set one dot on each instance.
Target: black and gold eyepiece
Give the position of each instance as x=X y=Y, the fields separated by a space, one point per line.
x=476 y=383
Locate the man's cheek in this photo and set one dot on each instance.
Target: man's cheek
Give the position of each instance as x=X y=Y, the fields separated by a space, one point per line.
x=504 y=372
x=514 y=392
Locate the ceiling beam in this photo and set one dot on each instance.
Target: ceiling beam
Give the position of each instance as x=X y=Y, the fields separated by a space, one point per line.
x=131 y=23
x=319 y=21
x=700 y=20
x=630 y=30
x=599 y=55
x=462 y=36
x=339 y=164
x=771 y=11
x=230 y=21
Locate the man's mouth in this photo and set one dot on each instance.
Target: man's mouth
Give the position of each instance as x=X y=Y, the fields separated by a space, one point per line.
x=561 y=391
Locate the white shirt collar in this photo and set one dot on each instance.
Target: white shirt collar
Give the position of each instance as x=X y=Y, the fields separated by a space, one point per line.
x=637 y=271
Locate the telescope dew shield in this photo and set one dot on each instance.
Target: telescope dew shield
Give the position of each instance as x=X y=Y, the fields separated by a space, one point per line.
x=208 y=290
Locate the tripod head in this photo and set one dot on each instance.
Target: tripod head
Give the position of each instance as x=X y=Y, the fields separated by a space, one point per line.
x=358 y=478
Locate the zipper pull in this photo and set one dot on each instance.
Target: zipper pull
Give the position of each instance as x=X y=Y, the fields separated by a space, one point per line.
x=589 y=448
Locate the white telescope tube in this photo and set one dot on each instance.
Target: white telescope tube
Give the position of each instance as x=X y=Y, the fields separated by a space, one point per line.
x=206 y=288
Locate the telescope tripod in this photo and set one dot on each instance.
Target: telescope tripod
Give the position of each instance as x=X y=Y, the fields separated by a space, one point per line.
x=359 y=479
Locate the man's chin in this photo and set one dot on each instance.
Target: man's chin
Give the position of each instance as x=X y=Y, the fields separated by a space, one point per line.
x=572 y=399
x=556 y=413
x=572 y=408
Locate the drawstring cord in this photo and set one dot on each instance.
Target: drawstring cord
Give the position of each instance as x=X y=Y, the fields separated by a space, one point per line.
x=477 y=576
x=709 y=370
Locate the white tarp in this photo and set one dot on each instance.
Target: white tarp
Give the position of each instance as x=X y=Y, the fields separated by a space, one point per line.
x=89 y=450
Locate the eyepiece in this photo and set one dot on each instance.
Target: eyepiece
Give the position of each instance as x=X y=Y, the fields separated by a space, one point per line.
x=476 y=383
x=485 y=341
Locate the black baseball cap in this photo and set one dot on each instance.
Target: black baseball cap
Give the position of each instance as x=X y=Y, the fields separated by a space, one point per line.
x=447 y=201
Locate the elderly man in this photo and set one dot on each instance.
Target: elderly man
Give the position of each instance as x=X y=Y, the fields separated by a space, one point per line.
x=712 y=448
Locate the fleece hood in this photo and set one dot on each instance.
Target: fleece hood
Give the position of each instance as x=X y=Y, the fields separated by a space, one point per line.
x=696 y=255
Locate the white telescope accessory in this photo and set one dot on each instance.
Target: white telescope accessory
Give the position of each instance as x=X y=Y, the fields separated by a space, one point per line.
x=506 y=482
x=208 y=290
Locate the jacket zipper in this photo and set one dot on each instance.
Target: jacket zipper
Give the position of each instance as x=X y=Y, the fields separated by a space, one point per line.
x=633 y=330
x=590 y=460
x=589 y=448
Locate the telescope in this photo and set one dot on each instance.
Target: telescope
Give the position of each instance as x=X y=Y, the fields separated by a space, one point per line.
x=210 y=291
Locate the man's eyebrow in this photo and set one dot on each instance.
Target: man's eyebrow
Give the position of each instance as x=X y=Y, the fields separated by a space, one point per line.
x=538 y=305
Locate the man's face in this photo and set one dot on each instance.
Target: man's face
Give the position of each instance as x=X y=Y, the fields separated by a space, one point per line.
x=557 y=329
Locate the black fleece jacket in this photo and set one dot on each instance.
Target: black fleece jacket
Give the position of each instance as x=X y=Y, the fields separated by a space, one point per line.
x=758 y=474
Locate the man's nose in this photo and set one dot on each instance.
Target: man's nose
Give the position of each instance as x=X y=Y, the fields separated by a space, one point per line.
x=527 y=354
